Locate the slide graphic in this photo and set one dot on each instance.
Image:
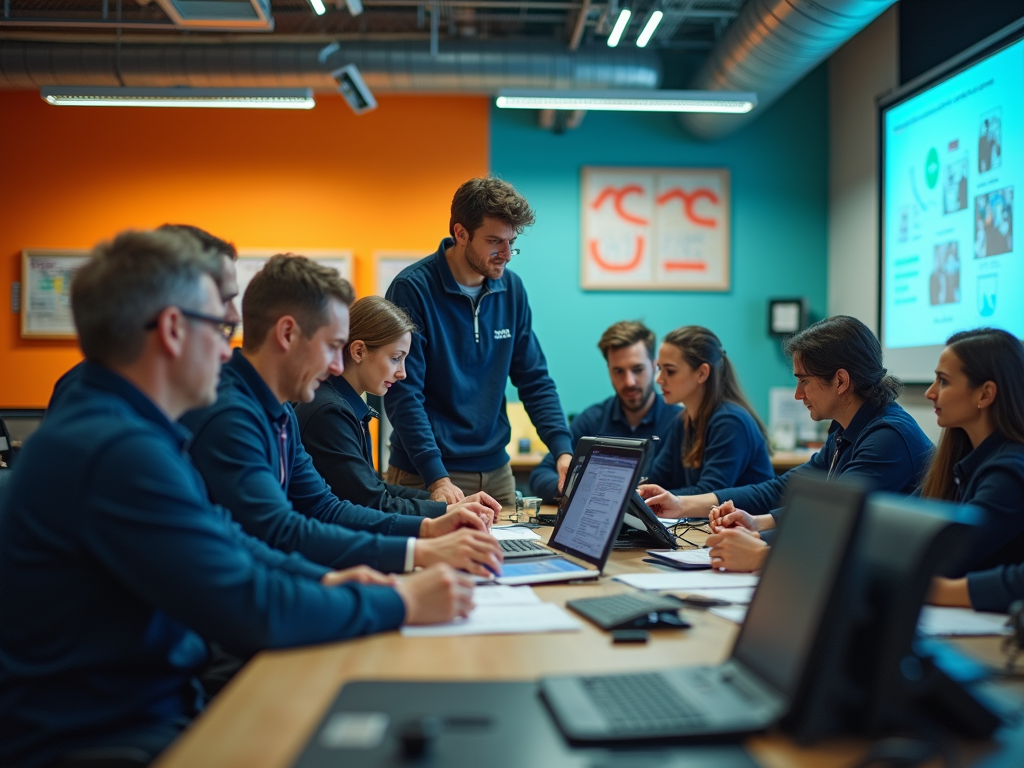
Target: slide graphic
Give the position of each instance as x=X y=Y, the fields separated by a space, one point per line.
x=953 y=158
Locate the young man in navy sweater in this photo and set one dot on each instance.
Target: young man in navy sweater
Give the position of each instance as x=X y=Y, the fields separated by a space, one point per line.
x=635 y=410
x=475 y=333
x=117 y=568
x=248 y=449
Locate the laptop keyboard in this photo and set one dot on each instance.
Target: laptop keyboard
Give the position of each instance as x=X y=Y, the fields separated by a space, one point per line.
x=522 y=545
x=641 y=703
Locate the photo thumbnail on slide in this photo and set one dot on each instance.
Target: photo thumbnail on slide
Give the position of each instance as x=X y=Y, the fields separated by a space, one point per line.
x=990 y=141
x=954 y=188
x=944 y=283
x=993 y=223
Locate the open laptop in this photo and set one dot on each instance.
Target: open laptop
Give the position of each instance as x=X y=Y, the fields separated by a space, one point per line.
x=588 y=520
x=772 y=669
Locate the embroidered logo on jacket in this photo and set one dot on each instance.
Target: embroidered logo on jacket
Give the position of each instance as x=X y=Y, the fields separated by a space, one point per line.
x=504 y=333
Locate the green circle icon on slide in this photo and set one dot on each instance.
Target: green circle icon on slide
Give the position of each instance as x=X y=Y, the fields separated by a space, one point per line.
x=931 y=168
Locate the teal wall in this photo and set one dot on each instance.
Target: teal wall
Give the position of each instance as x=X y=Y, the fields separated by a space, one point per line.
x=779 y=177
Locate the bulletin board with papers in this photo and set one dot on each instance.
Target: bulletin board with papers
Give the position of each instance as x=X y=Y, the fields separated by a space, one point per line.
x=46 y=292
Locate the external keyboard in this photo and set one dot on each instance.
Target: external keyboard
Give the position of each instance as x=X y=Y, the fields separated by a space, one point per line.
x=629 y=609
x=640 y=703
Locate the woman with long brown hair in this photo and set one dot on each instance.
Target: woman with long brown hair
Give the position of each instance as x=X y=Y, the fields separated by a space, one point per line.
x=979 y=403
x=717 y=441
x=335 y=425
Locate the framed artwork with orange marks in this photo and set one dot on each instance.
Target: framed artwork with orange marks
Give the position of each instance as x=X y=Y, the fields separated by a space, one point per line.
x=655 y=229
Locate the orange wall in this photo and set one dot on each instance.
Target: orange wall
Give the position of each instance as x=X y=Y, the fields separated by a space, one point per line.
x=71 y=176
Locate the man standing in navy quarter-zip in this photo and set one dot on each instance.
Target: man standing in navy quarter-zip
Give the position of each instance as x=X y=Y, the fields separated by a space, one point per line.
x=476 y=333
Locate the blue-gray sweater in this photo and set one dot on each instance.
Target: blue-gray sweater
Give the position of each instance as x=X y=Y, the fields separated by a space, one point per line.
x=115 y=564
x=449 y=412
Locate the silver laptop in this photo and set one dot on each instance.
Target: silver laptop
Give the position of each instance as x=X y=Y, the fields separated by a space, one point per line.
x=585 y=532
x=771 y=669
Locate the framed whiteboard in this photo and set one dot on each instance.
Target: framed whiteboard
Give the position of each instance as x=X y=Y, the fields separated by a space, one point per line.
x=658 y=229
x=387 y=265
x=46 y=292
x=251 y=260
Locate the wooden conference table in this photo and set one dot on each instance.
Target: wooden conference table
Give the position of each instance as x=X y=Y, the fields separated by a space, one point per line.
x=268 y=712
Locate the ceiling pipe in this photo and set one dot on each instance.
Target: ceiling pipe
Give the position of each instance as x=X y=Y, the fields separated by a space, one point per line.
x=395 y=67
x=770 y=47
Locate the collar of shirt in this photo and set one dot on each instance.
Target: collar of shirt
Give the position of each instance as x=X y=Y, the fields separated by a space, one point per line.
x=266 y=398
x=651 y=417
x=102 y=378
x=968 y=465
x=864 y=415
x=451 y=285
x=359 y=407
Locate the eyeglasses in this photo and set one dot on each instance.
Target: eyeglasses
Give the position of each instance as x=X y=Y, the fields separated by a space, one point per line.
x=511 y=252
x=227 y=329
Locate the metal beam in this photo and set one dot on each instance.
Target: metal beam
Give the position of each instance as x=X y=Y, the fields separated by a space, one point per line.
x=581 y=25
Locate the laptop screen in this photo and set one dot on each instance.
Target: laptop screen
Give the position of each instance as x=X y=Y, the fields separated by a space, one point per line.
x=593 y=511
x=799 y=579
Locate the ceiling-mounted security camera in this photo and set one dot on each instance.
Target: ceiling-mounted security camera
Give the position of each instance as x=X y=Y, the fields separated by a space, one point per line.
x=352 y=87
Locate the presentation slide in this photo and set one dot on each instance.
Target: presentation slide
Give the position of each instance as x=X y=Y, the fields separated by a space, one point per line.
x=952 y=163
x=596 y=503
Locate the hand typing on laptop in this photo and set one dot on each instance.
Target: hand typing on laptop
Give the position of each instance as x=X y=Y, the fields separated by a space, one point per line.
x=468 y=550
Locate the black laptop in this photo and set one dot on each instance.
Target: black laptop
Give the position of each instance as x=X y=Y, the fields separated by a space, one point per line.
x=588 y=521
x=771 y=669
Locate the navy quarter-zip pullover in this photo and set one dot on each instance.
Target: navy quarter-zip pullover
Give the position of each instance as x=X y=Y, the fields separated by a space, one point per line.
x=735 y=453
x=115 y=567
x=884 y=447
x=247 y=448
x=449 y=412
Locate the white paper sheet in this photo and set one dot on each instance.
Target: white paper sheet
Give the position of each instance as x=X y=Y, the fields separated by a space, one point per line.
x=502 y=620
x=507 y=533
x=684 y=581
x=733 y=613
x=497 y=595
x=937 y=620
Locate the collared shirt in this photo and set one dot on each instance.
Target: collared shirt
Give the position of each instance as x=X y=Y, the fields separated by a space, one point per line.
x=122 y=564
x=335 y=433
x=237 y=449
x=449 y=412
x=883 y=447
x=735 y=453
x=606 y=419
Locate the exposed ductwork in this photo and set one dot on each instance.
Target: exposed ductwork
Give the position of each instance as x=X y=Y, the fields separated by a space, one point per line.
x=398 y=67
x=770 y=46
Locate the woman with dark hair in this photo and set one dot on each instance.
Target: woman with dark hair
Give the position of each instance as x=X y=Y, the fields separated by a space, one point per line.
x=335 y=425
x=837 y=363
x=980 y=461
x=717 y=441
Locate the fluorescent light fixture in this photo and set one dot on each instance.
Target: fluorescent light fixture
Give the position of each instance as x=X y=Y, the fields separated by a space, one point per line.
x=648 y=30
x=620 y=26
x=355 y=7
x=236 y=98
x=629 y=101
x=318 y=7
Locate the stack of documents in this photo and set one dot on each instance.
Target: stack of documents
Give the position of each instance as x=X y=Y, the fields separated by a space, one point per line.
x=502 y=610
x=688 y=581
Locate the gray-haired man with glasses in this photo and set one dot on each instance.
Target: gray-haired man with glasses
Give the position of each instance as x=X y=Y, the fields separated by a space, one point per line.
x=475 y=333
